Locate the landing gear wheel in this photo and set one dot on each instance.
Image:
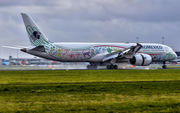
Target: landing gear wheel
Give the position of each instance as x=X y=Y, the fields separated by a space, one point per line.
x=115 y=66
x=164 y=66
x=111 y=66
x=108 y=66
x=94 y=67
x=91 y=66
x=88 y=66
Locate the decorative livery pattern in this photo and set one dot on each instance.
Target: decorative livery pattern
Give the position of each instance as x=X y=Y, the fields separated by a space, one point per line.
x=163 y=57
x=77 y=54
x=35 y=36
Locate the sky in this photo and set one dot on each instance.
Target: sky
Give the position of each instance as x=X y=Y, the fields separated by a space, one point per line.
x=114 y=21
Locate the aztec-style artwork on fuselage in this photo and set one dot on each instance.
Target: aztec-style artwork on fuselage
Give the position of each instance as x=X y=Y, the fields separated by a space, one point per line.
x=158 y=57
x=63 y=53
x=79 y=54
x=170 y=56
x=162 y=57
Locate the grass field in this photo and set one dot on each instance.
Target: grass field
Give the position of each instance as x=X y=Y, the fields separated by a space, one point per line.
x=108 y=91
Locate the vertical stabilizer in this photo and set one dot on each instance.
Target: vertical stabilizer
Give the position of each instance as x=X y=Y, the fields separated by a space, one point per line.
x=36 y=36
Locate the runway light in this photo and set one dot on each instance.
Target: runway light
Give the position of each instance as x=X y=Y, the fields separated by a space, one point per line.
x=131 y=66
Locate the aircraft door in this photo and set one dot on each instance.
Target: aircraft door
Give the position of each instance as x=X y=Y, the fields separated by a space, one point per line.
x=166 y=49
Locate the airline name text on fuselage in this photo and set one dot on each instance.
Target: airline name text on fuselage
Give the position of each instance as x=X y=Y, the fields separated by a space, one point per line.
x=152 y=47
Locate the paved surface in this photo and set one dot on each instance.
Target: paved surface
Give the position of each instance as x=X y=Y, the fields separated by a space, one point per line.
x=81 y=67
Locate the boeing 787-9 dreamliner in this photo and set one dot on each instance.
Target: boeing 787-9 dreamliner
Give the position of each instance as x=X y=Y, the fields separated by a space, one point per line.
x=97 y=54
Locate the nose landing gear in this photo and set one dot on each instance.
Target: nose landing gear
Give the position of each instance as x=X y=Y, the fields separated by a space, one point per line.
x=164 y=65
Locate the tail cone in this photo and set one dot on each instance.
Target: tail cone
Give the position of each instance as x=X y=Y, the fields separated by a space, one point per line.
x=24 y=49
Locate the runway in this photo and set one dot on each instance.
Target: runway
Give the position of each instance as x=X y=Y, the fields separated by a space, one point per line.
x=82 y=67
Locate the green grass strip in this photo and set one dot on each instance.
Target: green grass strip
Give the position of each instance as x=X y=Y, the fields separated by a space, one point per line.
x=90 y=91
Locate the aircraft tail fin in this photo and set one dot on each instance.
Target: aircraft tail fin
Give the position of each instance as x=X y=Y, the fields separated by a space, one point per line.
x=36 y=36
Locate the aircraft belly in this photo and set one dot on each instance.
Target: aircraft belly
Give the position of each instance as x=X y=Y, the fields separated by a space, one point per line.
x=50 y=57
x=40 y=54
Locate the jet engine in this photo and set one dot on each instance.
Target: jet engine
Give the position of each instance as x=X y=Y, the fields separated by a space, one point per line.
x=141 y=60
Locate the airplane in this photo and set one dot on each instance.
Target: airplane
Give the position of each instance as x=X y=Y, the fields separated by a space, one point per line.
x=97 y=54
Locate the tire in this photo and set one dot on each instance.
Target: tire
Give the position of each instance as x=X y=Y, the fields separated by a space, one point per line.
x=91 y=66
x=115 y=67
x=108 y=66
x=88 y=66
x=95 y=67
x=111 y=66
x=164 y=66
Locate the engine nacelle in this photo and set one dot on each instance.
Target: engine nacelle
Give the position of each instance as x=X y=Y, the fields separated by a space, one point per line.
x=141 y=60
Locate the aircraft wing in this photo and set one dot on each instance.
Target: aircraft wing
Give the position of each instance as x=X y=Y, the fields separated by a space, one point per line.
x=126 y=53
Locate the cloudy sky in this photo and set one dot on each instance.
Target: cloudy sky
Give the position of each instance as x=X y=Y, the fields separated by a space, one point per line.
x=91 y=21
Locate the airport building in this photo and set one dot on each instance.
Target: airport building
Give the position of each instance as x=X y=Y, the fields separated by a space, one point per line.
x=1 y=61
x=178 y=57
x=36 y=61
x=28 y=61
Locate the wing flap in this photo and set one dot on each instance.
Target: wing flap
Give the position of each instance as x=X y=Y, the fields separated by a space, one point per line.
x=110 y=56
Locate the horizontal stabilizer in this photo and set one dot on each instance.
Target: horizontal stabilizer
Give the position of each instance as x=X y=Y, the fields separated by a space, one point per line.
x=12 y=47
x=39 y=48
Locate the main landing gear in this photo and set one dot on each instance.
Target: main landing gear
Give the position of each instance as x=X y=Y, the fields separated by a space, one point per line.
x=164 y=65
x=91 y=66
x=111 y=66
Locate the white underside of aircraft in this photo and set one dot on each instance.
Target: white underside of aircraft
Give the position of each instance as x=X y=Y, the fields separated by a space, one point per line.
x=96 y=54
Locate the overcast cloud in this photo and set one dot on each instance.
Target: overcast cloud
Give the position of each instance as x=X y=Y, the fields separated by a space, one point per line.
x=91 y=21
